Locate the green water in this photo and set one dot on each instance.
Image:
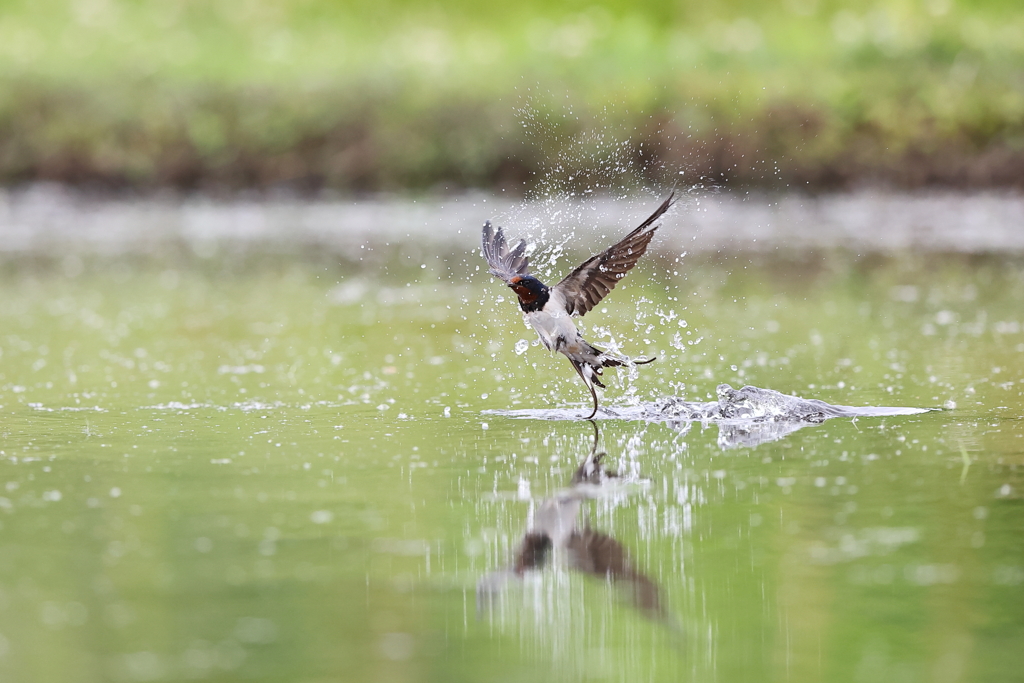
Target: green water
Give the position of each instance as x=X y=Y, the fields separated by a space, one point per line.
x=283 y=471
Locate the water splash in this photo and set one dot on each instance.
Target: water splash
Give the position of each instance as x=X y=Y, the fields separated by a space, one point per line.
x=746 y=417
x=763 y=405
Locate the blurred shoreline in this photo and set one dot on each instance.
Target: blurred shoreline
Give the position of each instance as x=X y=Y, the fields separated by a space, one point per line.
x=356 y=139
x=361 y=97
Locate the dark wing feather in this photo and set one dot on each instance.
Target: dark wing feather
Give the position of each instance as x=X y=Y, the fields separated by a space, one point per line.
x=584 y=287
x=503 y=262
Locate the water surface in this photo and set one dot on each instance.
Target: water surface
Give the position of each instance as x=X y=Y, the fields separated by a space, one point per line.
x=231 y=463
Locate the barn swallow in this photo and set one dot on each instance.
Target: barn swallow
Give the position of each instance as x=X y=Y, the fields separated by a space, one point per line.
x=550 y=310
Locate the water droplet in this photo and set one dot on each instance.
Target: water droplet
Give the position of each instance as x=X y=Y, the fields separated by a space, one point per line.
x=521 y=347
x=321 y=517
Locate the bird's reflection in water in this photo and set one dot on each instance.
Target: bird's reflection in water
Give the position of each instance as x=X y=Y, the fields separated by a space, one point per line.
x=557 y=535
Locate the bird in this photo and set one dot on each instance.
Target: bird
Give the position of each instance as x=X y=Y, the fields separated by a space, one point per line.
x=550 y=310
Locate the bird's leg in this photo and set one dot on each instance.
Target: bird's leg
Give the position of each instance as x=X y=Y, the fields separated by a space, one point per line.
x=597 y=436
x=579 y=371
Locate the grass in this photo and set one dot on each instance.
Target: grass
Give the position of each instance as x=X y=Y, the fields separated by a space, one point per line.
x=350 y=96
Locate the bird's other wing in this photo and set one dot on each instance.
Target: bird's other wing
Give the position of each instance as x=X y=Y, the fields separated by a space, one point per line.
x=584 y=287
x=504 y=262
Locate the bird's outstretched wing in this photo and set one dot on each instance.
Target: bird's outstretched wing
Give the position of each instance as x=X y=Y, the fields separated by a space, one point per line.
x=584 y=287
x=504 y=262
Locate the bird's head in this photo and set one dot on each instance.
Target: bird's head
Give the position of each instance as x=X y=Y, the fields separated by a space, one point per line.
x=529 y=289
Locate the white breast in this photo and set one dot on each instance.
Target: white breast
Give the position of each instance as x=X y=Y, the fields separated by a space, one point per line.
x=553 y=323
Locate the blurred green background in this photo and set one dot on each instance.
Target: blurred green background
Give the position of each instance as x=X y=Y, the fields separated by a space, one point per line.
x=398 y=95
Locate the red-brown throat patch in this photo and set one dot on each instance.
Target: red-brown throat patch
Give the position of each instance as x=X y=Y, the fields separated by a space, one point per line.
x=522 y=291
